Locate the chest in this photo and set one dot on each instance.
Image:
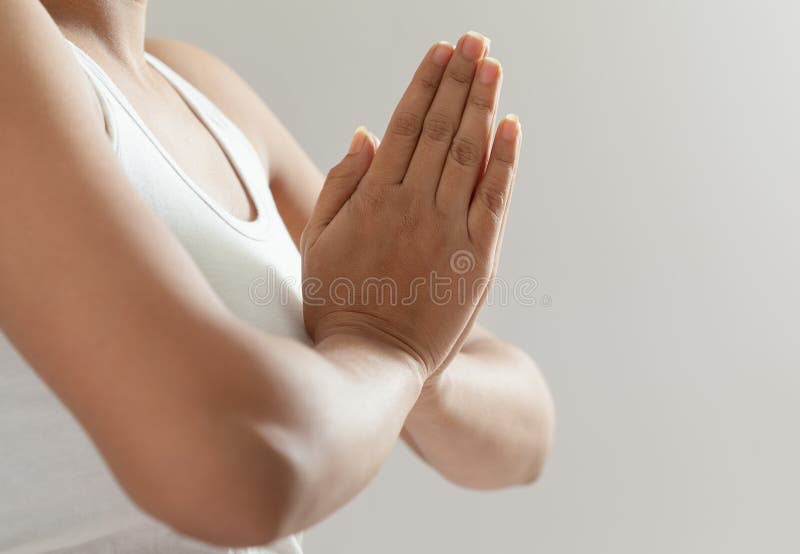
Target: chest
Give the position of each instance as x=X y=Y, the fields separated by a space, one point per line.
x=201 y=175
x=189 y=138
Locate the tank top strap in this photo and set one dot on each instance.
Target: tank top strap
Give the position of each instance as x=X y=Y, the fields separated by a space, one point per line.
x=239 y=148
x=97 y=79
x=119 y=113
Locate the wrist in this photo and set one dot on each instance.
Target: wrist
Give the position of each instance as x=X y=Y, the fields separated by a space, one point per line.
x=366 y=354
x=432 y=397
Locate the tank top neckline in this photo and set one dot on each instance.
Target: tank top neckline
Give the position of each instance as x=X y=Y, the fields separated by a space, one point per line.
x=216 y=123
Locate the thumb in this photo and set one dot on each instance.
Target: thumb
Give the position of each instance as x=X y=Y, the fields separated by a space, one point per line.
x=341 y=181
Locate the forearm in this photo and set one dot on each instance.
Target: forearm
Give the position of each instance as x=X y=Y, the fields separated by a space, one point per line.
x=240 y=437
x=486 y=421
x=331 y=416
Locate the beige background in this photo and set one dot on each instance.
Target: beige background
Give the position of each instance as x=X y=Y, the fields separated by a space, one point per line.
x=656 y=205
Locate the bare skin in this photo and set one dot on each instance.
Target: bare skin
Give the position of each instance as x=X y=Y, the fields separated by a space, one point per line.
x=271 y=419
x=487 y=421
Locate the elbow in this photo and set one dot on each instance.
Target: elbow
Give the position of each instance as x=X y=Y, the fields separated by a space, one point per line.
x=226 y=524
x=241 y=495
x=543 y=436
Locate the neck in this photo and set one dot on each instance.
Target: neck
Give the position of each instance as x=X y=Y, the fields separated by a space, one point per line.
x=115 y=25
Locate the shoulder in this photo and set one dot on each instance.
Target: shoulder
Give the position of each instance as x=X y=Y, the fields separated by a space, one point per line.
x=44 y=90
x=221 y=84
x=198 y=66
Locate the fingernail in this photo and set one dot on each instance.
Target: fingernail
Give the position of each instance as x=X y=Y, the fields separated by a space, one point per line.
x=472 y=45
x=358 y=140
x=442 y=53
x=511 y=127
x=375 y=140
x=489 y=71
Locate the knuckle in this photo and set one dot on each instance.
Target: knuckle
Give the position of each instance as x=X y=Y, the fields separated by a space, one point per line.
x=459 y=76
x=427 y=83
x=382 y=176
x=504 y=166
x=438 y=128
x=372 y=199
x=409 y=222
x=484 y=106
x=405 y=124
x=442 y=211
x=465 y=152
x=342 y=172
x=494 y=200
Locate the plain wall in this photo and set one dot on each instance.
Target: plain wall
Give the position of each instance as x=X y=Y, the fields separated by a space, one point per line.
x=657 y=207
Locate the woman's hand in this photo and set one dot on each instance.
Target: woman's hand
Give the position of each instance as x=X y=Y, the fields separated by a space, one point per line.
x=402 y=241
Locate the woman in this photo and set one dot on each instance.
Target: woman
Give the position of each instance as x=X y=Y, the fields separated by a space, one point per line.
x=155 y=394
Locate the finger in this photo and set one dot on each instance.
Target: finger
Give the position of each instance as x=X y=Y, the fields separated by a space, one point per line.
x=467 y=159
x=340 y=183
x=495 y=258
x=490 y=200
x=444 y=115
x=484 y=295
x=402 y=133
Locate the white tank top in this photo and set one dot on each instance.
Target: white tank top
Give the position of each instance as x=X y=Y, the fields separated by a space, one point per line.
x=56 y=494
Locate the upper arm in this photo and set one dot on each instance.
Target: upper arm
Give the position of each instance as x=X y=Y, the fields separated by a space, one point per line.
x=97 y=294
x=295 y=180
